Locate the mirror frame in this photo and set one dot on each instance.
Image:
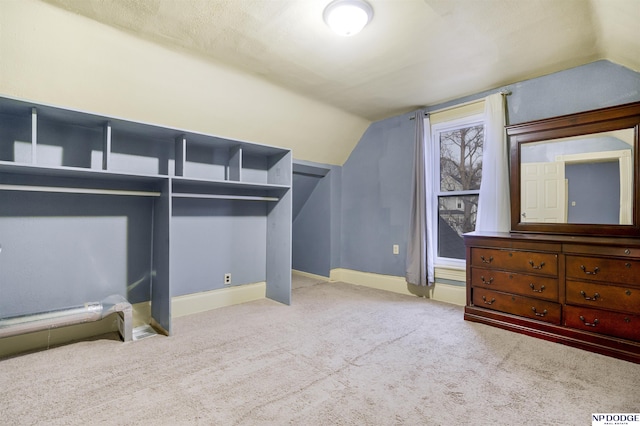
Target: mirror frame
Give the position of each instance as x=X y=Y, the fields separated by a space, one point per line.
x=601 y=120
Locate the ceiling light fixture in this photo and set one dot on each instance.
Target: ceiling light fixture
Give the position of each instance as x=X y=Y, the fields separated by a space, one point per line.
x=347 y=17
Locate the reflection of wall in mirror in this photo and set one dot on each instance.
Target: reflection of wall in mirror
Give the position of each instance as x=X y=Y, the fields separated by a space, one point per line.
x=539 y=152
x=593 y=192
x=622 y=187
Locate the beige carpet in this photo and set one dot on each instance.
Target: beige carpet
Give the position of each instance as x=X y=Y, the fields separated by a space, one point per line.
x=340 y=355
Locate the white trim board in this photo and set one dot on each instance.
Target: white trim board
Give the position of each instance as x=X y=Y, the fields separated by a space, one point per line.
x=207 y=300
x=310 y=275
x=453 y=294
x=368 y=279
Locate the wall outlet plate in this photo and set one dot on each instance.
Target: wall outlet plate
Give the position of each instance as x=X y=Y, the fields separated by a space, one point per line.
x=227 y=278
x=396 y=249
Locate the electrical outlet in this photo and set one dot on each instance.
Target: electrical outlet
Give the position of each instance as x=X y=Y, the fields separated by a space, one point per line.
x=396 y=249
x=227 y=278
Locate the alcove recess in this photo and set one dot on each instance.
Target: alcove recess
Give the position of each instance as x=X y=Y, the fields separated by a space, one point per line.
x=179 y=209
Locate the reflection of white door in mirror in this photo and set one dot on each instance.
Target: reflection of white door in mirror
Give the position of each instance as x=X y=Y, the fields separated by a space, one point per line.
x=543 y=196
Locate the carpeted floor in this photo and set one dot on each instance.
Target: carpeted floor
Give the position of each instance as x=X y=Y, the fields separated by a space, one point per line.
x=340 y=355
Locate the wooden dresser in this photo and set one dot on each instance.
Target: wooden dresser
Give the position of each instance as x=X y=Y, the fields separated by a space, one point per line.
x=579 y=291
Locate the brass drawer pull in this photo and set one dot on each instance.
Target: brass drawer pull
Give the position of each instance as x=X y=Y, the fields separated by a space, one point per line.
x=539 y=314
x=589 y=324
x=485 y=260
x=628 y=292
x=536 y=267
x=533 y=287
x=627 y=265
x=484 y=298
x=485 y=282
x=594 y=298
x=595 y=270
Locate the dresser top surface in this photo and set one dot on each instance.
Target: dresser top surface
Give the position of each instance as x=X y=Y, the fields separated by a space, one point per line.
x=552 y=238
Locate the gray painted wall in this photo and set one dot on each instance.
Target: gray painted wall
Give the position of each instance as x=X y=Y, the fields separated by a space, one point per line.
x=376 y=186
x=596 y=85
x=376 y=178
x=106 y=239
x=210 y=238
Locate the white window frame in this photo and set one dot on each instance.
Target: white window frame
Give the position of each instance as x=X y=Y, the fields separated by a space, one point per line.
x=436 y=130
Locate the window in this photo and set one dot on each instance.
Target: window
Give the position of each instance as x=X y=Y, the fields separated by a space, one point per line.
x=457 y=172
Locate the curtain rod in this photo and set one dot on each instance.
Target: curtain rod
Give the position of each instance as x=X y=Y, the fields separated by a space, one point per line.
x=475 y=101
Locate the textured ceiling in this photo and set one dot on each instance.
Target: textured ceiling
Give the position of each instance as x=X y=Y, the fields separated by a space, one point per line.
x=414 y=53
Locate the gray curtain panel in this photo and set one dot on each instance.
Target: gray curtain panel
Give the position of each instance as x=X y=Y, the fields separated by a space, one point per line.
x=416 y=272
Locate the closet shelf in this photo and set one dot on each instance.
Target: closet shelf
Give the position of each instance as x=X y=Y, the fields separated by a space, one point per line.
x=225 y=197
x=69 y=190
x=77 y=172
x=212 y=183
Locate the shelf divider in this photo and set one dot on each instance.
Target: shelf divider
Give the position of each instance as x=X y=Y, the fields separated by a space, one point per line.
x=235 y=164
x=34 y=135
x=106 y=148
x=181 y=155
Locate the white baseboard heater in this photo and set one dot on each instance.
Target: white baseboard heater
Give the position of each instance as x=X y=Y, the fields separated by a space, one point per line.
x=89 y=312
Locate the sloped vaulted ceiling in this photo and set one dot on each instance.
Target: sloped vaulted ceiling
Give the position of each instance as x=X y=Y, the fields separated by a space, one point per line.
x=414 y=52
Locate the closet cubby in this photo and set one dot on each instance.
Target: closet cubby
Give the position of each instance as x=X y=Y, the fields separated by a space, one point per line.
x=144 y=151
x=210 y=206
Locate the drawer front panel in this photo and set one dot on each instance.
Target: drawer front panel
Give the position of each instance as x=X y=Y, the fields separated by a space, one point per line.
x=626 y=299
x=622 y=325
x=597 y=250
x=517 y=305
x=517 y=261
x=526 y=285
x=607 y=270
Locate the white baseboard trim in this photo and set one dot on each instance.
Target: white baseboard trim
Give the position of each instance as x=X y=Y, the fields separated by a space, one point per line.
x=310 y=275
x=368 y=279
x=456 y=295
x=207 y=300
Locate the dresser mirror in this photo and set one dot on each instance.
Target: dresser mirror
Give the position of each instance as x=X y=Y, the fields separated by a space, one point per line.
x=577 y=174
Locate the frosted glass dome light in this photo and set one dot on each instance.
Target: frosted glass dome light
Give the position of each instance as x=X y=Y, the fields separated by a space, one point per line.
x=347 y=17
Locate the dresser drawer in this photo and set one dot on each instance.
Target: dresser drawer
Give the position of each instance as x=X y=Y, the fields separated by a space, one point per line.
x=513 y=282
x=613 y=271
x=517 y=305
x=517 y=261
x=618 y=298
x=622 y=325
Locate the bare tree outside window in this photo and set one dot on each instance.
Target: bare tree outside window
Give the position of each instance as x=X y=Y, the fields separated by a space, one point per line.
x=460 y=177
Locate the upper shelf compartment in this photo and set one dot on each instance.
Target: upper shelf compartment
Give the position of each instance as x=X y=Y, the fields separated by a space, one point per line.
x=52 y=138
x=212 y=158
x=43 y=136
